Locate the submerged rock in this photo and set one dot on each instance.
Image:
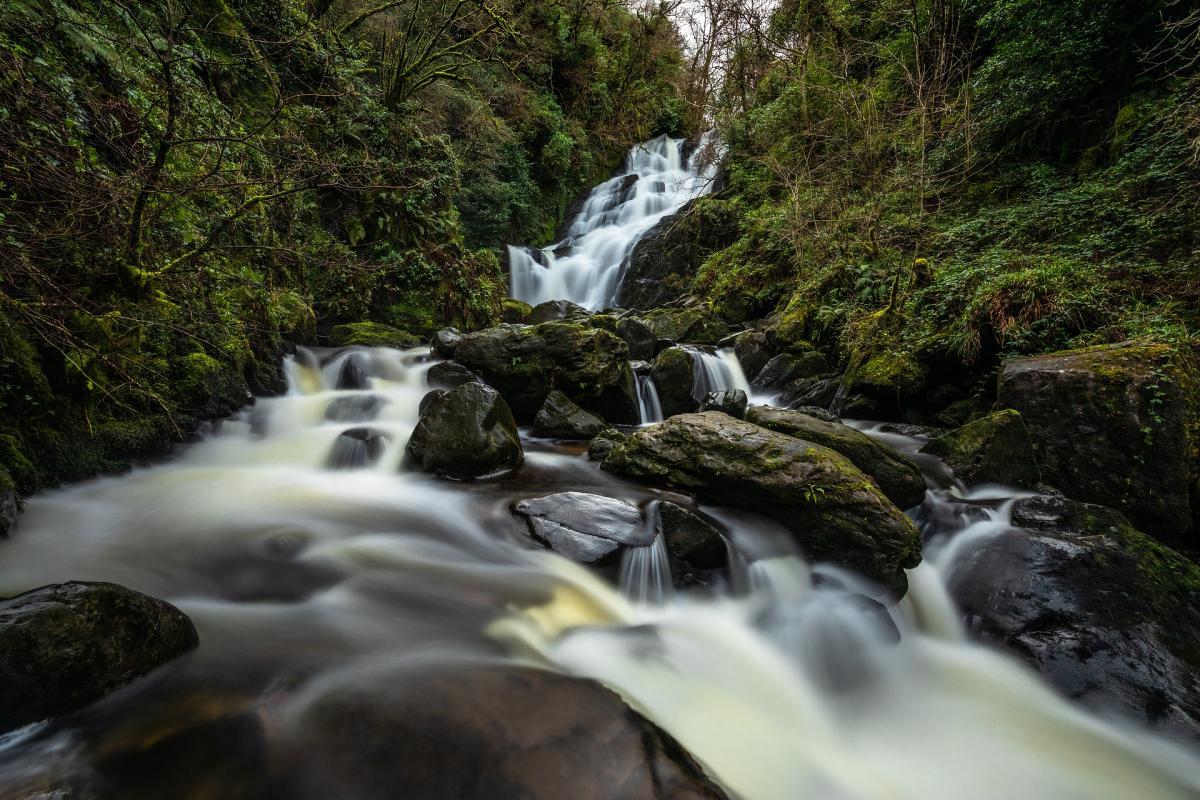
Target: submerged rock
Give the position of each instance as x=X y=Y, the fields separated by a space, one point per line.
x=994 y=449
x=444 y=342
x=356 y=448
x=352 y=375
x=463 y=731
x=356 y=408
x=1110 y=425
x=66 y=645
x=588 y=528
x=835 y=512
x=674 y=375
x=730 y=401
x=468 y=432
x=526 y=362
x=897 y=476
x=603 y=443
x=448 y=374
x=552 y=310
x=1105 y=613
x=372 y=334
x=560 y=418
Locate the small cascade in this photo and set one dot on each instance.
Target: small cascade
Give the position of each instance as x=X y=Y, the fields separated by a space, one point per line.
x=716 y=372
x=646 y=571
x=586 y=267
x=648 y=404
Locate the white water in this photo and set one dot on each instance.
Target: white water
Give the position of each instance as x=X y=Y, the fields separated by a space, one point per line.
x=716 y=371
x=649 y=406
x=655 y=183
x=781 y=689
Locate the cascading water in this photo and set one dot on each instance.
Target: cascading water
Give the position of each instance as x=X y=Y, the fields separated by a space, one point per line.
x=304 y=580
x=716 y=372
x=587 y=265
x=649 y=406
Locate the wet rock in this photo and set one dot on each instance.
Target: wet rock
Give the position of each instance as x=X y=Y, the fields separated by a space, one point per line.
x=464 y=731
x=1108 y=615
x=357 y=408
x=819 y=392
x=674 y=375
x=638 y=336
x=690 y=538
x=372 y=334
x=429 y=399
x=588 y=528
x=525 y=363
x=552 y=310
x=886 y=383
x=449 y=374
x=994 y=449
x=562 y=419
x=1110 y=425
x=785 y=368
x=444 y=342
x=661 y=344
x=816 y=412
x=66 y=645
x=603 y=443
x=352 y=375
x=730 y=401
x=468 y=432
x=694 y=325
x=752 y=351
x=515 y=311
x=835 y=512
x=897 y=476
x=357 y=448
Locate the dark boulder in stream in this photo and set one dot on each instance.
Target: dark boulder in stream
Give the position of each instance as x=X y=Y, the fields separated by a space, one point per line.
x=495 y=732
x=994 y=449
x=728 y=401
x=444 y=342
x=640 y=338
x=468 y=432
x=787 y=368
x=552 y=310
x=588 y=528
x=898 y=476
x=835 y=511
x=603 y=443
x=67 y=645
x=674 y=374
x=448 y=374
x=356 y=448
x=1108 y=615
x=560 y=418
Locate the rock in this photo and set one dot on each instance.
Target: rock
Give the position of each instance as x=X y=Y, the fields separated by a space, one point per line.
x=352 y=375
x=887 y=382
x=1110 y=425
x=515 y=311
x=690 y=538
x=752 y=351
x=637 y=334
x=444 y=342
x=692 y=325
x=603 y=443
x=67 y=645
x=661 y=344
x=588 y=528
x=449 y=374
x=823 y=414
x=995 y=449
x=1108 y=615
x=356 y=408
x=788 y=367
x=372 y=334
x=429 y=399
x=560 y=418
x=835 y=512
x=466 y=433
x=525 y=363
x=9 y=503
x=730 y=401
x=674 y=375
x=897 y=476
x=356 y=448
x=552 y=310
x=475 y=731
x=819 y=392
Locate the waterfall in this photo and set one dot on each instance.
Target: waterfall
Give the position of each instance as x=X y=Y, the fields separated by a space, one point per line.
x=716 y=372
x=646 y=571
x=648 y=404
x=586 y=267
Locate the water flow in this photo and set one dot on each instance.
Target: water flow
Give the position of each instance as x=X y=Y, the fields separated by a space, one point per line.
x=649 y=406
x=304 y=581
x=716 y=372
x=586 y=267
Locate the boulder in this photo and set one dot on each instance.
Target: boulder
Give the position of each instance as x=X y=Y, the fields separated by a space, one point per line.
x=355 y=408
x=823 y=414
x=1108 y=615
x=429 y=399
x=835 y=512
x=472 y=731
x=730 y=401
x=640 y=338
x=444 y=342
x=67 y=645
x=352 y=375
x=603 y=443
x=448 y=374
x=994 y=449
x=372 y=334
x=897 y=476
x=356 y=448
x=752 y=351
x=694 y=325
x=785 y=368
x=1111 y=425
x=588 y=528
x=811 y=392
x=466 y=433
x=690 y=538
x=515 y=311
x=552 y=310
x=561 y=419
x=526 y=362
x=674 y=375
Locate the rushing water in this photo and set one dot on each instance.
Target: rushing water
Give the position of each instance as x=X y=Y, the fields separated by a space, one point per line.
x=586 y=267
x=304 y=578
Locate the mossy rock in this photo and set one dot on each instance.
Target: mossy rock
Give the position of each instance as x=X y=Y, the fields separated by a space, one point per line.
x=413 y=314
x=674 y=375
x=559 y=418
x=695 y=325
x=994 y=449
x=835 y=511
x=468 y=432
x=372 y=334
x=515 y=311
x=890 y=374
x=207 y=388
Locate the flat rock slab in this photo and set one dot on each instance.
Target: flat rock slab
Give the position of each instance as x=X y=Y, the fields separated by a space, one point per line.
x=588 y=528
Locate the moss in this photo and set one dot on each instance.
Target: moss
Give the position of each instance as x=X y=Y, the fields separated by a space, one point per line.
x=899 y=372
x=515 y=311
x=994 y=449
x=413 y=313
x=372 y=334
